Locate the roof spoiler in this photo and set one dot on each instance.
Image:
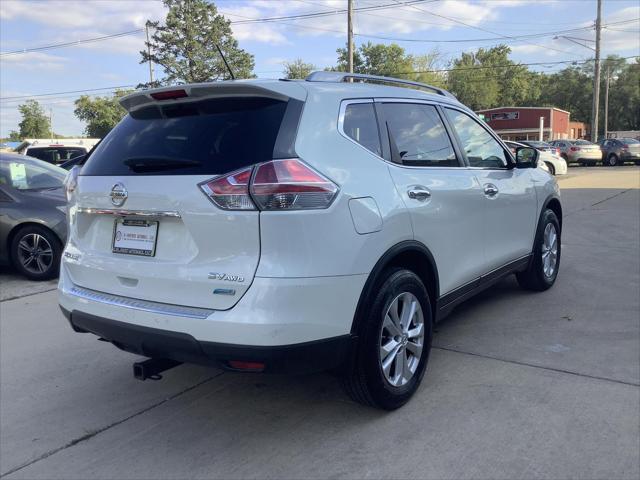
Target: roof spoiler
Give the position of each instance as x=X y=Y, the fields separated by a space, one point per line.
x=197 y=91
x=327 y=76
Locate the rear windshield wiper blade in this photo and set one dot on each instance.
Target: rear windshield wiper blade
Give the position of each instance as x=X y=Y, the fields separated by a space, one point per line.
x=154 y=164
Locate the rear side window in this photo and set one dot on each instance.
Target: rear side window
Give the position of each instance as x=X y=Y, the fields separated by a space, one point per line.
x=55 y=154
x=417 y=136
x=360 y=125
x=209 y=137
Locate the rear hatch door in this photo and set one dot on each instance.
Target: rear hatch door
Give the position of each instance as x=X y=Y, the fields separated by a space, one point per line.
x=142 y=226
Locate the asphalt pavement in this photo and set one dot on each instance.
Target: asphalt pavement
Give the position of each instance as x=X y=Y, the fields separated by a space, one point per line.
x=519 y=385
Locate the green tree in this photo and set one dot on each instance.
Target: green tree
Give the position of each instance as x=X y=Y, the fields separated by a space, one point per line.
x=488 y=78
x=570 y=89
x=377 y=59
x=426 y=68
x=298 y=69
x=14 y=136
x=624 y=98
x=35 y=122
x=185 y=45
x=100 y=114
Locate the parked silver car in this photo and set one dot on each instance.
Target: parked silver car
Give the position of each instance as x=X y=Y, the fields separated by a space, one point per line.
x=33 y=224
x=579 y=151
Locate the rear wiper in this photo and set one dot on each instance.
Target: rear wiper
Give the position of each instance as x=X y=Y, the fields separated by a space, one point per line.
x=155 y=164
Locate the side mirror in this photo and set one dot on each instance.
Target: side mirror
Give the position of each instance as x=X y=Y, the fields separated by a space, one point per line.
x=527 y=157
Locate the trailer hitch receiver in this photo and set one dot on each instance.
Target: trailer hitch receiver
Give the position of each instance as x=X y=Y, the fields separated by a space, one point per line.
x=152 y=368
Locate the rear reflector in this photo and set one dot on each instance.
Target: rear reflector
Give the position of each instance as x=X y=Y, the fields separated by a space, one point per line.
x=249 y=366
x=169 y=95
x=291 y=185
x=231 y=191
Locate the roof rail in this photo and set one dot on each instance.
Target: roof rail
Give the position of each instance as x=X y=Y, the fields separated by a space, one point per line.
x=328 y=76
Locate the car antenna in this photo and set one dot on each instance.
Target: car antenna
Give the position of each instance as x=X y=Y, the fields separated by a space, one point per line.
x=233 y=77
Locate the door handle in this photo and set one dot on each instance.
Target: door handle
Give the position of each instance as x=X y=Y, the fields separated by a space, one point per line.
x=419 y=193
x=490 y=190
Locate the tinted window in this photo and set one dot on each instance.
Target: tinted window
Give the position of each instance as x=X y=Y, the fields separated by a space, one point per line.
x=582 y=142
x=629 y=140
x=417 y=136
x=55 y=154
x=30 y=175
x=361 y=125
x=481 y=148
x=204 y=138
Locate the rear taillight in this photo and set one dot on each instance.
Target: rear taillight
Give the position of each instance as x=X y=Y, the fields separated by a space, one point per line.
x=625 y=147
x=231 y=191
x=291 y=185
x=276 y=185
x=558 y=151
x=574 y=149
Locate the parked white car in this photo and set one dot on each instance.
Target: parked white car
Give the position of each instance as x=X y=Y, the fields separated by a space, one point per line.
x=553 y=164
x=289 y=226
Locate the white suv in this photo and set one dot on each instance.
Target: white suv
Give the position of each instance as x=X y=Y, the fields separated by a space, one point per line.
x=293 y=226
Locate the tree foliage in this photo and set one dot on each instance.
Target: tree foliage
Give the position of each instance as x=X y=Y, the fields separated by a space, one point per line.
x=35 y=122
x=298 y=69
x=100 y=114
x=377 y=59
x=185 y=45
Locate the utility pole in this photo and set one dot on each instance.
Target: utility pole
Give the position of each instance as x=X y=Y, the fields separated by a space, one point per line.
x=596 y=78
x=350 y=36
x=146 y=27
x=606 y=103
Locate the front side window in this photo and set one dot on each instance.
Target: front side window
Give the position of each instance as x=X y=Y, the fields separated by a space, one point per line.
x=481 y=148
x=360 y=124
x=417 y=136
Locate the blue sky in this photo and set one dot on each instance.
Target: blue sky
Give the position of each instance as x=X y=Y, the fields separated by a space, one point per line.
x=106 y=64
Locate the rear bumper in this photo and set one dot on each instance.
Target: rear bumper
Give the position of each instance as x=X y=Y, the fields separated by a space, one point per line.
x=156 y=343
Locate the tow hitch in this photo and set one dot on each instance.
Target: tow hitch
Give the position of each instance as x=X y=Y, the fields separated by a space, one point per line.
x=152 y=368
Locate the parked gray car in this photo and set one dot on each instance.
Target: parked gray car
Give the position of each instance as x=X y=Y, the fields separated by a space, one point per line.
x=578 y=151
x=616 y=151
x=33 y=223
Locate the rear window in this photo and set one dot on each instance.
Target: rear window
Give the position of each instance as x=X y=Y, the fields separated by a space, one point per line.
x=55 y=155
x=205 y=138
x=583 y=142
x=629 y=140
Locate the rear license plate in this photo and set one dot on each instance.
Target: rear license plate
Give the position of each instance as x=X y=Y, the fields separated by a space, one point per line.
x=135 y=237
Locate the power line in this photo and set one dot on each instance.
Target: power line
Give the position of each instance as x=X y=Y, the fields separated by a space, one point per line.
x=247 y=20
x=56 y=95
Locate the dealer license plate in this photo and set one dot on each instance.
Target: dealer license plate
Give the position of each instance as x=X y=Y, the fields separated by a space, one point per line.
x=135 y=237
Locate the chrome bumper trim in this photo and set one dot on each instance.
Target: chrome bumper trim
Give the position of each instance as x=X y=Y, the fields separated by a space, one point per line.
x=137 y=304
x=129 y=213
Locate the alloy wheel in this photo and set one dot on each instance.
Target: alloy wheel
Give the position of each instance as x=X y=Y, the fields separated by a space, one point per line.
x=35 y=253
x=401 y=339
x=549 y=250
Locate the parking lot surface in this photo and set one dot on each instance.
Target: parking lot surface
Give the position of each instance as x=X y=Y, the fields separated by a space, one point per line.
x=519 y=385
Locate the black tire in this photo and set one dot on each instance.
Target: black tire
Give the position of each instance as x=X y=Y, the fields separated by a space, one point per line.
x=612 y=160
x=43 y=265
x=535 y=277
x=552 y=169
x=363 y=377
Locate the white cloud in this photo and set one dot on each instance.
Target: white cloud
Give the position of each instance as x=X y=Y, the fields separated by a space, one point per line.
x=34 y=61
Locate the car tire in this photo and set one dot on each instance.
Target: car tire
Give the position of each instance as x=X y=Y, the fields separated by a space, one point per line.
x=374 y=375
x=612 y=160
x=543 y=267
x=35 y=252
x=552 y=169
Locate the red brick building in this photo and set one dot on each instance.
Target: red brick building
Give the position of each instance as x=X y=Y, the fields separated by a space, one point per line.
x=523 y=123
